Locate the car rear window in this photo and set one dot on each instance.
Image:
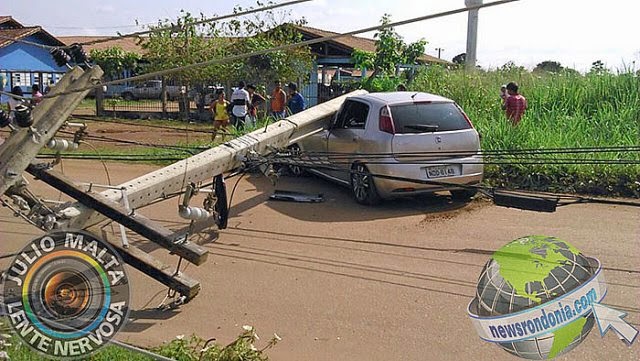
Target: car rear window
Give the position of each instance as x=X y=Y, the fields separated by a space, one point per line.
x=427 y=117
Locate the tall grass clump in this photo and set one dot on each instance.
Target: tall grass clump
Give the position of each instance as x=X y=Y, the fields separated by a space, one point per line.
x=565 y=110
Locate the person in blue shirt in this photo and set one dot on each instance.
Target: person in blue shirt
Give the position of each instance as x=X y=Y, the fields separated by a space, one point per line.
x=296 y=101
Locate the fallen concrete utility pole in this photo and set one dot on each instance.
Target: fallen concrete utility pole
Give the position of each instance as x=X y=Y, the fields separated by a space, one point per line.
x=204 y=166
x=122 y=203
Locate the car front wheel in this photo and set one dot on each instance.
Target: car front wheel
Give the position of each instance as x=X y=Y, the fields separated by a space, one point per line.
x=127 y=96
x=362 y=186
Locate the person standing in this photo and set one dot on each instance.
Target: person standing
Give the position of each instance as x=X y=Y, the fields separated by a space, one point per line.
x=296 y=101
x=240 y=101
x=47 y=88
x=278 y=101
x=14 y=102
x=220 y=109
x=515 y=104
x=36 y=96
x=256 y=100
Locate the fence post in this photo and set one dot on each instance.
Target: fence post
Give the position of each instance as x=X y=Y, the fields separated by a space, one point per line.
x=99 y=101
x=163 y=97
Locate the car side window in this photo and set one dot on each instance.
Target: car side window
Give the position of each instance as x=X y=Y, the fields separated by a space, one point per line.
x=353 y=115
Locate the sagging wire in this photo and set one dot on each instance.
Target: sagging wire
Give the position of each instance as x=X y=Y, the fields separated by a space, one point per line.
x=27 y=42
x=99 y=120
x=566 y=150
x=280 y=48
x=11 y=95
x=488 y=191
x=514 y=161
x=189 y=150
x=155 y=30
x=104 y=164
x=199 y=22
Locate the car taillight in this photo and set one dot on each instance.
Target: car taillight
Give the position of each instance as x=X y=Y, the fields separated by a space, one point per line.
x=386 y=122
x=466 y=117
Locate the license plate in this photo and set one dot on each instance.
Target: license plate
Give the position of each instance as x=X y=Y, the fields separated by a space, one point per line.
x=441 y=171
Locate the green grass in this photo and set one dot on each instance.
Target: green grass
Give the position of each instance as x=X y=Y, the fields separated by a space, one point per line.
x=87 y=103
x=181 y=348
x=565 y=110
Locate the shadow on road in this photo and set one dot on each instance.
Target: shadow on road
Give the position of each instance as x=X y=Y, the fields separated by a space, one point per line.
x=339 y=206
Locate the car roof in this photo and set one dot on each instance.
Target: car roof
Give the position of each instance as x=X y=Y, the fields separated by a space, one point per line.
x=403 y=97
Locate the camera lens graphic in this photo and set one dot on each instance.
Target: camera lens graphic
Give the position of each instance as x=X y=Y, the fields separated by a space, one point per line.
x=70 y=291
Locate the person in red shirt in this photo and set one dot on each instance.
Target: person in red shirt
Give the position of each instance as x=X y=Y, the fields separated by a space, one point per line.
x=515 y=104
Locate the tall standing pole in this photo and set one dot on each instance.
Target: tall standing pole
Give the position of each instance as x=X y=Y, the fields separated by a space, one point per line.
x=472 y=33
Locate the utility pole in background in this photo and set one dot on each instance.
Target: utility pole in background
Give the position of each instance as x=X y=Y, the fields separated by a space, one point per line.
x=439 y=50
x=472 y=33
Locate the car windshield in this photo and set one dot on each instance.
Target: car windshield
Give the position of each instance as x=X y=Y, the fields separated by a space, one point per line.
x=427 y=117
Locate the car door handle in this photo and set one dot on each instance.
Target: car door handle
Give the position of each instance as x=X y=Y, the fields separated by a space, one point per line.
x=355 y=138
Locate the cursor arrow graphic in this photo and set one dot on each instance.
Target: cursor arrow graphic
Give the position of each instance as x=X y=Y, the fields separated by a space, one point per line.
x=607 y=318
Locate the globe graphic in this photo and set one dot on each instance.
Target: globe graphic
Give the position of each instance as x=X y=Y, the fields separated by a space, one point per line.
x=530 y=271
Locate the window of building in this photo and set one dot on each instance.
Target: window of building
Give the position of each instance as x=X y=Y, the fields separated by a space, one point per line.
x=21 y=79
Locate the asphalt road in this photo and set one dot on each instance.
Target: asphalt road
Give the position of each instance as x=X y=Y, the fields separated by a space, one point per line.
x=339 y=281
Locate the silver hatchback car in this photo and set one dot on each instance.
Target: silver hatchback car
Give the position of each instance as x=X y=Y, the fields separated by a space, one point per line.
x=379 y=143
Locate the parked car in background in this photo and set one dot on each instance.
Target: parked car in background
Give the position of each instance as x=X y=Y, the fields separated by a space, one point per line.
x=414 y=136
x=151 y=89
x=204 y=95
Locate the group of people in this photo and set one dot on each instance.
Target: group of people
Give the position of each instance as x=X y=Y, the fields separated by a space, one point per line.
x=513 y=103
x=12 y=103
x=242 y=109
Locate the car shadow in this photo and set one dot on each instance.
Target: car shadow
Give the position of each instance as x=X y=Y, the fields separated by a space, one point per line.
x=339 y=206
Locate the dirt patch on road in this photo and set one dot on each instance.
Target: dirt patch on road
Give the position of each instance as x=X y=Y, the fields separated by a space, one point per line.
x=458 y=209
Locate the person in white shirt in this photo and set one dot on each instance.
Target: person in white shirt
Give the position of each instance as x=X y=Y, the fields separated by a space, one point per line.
x=240 y=100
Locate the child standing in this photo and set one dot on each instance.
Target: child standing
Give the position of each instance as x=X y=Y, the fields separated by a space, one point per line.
x=220 y=109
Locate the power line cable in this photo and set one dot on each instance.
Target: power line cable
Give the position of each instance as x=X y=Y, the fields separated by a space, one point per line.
x=560 y=150
x=279 y=48
x=204 y=21
x=27 y=42
x=145 y=32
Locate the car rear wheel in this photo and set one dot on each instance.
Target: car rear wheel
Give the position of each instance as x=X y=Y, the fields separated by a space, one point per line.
x=362 y=186
x=127 y=96
x=463 y=194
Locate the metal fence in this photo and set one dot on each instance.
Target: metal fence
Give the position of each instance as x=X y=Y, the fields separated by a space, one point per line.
x=193 y=105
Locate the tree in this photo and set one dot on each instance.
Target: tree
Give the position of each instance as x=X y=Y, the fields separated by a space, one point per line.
x=549 y=66
x=511 y=67
x=114 y=61
x=186 y=44
x=391 y=50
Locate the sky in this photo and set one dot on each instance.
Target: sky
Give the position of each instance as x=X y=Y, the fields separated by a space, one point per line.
x=574 y=32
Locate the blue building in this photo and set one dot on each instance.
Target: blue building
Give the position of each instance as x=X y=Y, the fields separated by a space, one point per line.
x=24 y=64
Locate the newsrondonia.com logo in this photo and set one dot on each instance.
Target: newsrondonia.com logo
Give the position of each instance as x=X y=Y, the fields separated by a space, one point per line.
x=66 y=294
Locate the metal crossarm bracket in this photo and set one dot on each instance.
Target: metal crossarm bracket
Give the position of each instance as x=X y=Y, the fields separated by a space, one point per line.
x=114 y=211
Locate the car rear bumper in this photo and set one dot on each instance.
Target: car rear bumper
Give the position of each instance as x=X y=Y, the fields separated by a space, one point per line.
x=472 y=171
